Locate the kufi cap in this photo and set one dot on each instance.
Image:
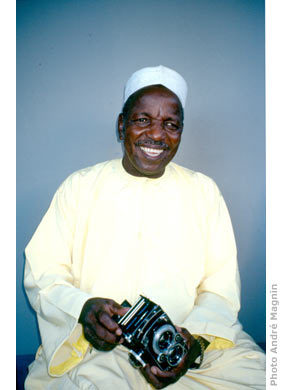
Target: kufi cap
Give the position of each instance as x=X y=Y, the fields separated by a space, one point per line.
x=157 y=75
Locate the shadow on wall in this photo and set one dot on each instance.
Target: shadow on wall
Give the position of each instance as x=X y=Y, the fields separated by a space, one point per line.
x=30 y=310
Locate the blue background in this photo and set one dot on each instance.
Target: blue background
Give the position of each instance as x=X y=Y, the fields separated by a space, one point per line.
x=73 y=59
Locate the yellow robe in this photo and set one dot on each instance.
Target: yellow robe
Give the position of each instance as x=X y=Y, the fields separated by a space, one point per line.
x=109 y=234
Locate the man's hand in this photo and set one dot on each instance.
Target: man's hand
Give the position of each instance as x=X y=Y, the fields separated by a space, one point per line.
x=98 y=326
x=160 y=379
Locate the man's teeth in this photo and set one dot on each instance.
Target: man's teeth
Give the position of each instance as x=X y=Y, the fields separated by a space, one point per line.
x=151 y=151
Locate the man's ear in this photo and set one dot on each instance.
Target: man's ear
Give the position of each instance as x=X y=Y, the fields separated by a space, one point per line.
x=121 y=126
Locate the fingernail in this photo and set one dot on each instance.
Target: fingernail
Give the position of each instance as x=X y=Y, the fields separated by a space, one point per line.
x=154 y=370
x=118 y=332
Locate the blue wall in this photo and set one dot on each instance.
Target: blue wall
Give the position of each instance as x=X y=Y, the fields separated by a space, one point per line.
x=73 y=58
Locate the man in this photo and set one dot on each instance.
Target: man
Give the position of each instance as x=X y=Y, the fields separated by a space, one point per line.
x=143 y=225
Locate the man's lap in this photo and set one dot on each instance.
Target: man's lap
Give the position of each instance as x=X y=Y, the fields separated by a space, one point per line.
x=241 y=367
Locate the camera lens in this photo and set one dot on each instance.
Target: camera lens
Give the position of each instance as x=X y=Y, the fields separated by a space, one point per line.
x=165 y=340
x=175 y=355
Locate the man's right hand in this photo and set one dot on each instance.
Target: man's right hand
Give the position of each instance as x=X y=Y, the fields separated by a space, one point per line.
x=99 y=327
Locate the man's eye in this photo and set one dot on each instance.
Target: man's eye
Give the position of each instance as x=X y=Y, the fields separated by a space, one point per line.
x=141 y=121
x=171 y=126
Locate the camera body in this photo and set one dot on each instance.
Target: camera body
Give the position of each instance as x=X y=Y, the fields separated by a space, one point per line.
x=150 y=336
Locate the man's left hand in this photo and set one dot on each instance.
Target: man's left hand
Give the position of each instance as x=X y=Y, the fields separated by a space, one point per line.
x=160 y=379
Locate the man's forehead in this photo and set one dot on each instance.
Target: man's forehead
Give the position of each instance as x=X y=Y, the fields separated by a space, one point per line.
x=154 y=94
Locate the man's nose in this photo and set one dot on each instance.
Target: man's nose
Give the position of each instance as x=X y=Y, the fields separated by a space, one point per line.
x=156 y=131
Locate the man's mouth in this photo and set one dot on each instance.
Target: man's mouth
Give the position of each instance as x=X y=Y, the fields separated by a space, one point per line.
x=151 y=152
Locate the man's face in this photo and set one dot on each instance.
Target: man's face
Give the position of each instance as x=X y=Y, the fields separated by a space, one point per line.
x=151 y=131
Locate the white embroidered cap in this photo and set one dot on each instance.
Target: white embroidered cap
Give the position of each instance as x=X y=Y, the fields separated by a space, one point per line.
x=157 y=75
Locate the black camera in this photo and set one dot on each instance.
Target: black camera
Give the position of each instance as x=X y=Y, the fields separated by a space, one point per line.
x=150 y=336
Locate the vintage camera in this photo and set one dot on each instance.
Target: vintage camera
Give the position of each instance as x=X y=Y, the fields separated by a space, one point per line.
x=151 y=336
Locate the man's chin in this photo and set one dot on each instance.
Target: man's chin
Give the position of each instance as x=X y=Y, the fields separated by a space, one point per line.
x=144 y=168
x=152 y=172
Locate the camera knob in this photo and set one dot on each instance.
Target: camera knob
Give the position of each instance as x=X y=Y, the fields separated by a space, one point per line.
x=135 y=360
x=178 y=338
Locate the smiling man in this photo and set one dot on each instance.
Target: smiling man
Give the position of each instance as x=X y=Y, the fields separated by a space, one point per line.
x=140 y=225
x=151 y=126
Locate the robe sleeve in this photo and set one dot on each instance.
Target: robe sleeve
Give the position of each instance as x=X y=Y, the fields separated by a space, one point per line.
x=217 y=302
x=50 y=284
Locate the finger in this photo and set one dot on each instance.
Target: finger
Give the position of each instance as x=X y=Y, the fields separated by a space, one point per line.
x=164 y=374
x=118 y=309
x=186 y=335
x=106 y=320
x=91 y=337
x=99 y=344
x=151 y=378
x=105 y=317
x=99 y=331
x=106 y=335
x=108 y=323
x=183 y=331
x=113 y=308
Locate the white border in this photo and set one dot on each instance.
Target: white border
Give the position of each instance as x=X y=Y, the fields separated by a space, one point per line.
x=274 y=130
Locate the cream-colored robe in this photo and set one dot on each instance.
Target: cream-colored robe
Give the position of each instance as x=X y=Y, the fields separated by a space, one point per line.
x=109 y=234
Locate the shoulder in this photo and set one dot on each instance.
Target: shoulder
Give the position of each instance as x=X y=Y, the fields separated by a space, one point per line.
x=193 y=178
x=202 y=188
x=84 y=179
x=90 y=174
